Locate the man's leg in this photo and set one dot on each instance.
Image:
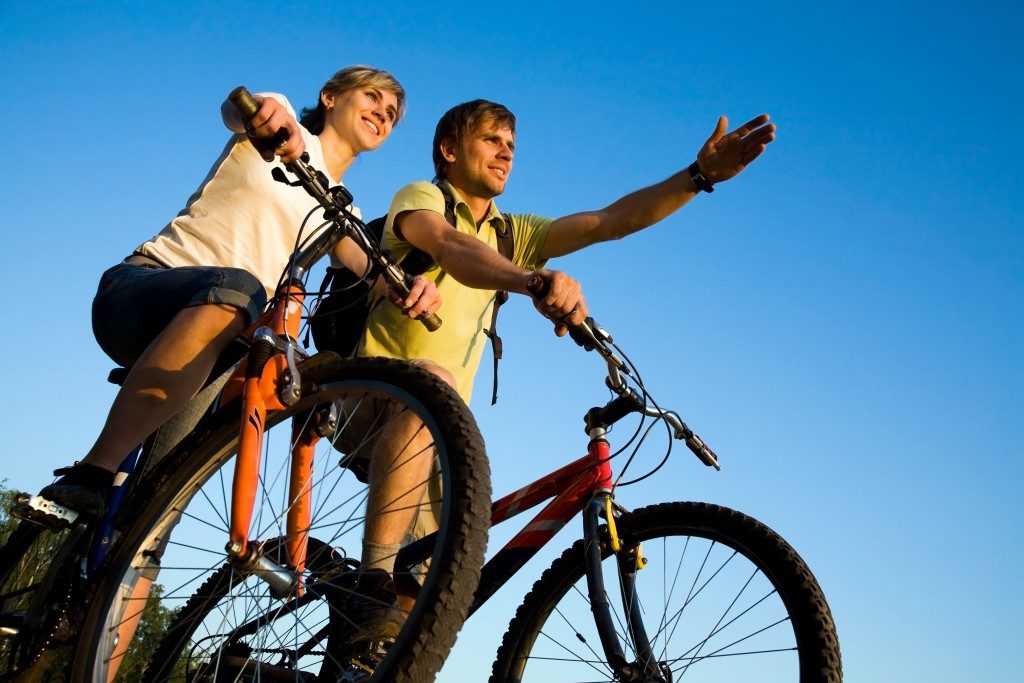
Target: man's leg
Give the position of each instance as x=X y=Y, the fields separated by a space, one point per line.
x=401 y=468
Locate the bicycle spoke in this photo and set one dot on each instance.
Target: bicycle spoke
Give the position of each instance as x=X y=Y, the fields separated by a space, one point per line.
x=707 y=595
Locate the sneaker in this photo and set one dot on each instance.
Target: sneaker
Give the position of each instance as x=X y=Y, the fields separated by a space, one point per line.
x=82 y=488
x=371 y=612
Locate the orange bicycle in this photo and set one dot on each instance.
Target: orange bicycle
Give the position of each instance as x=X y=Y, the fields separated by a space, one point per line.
x=273 y=468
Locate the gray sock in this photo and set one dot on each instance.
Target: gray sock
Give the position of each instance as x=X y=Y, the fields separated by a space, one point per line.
x=380 y=555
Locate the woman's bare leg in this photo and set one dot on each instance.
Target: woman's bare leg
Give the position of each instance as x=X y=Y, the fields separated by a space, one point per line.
x=167 y=375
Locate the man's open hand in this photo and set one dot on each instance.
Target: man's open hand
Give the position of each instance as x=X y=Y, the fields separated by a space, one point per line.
x=724 y=155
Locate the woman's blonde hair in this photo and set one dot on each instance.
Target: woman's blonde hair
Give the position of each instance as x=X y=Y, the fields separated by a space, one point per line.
x=350 y=78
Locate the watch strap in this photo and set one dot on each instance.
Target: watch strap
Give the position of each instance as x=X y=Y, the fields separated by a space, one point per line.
x=700 y=181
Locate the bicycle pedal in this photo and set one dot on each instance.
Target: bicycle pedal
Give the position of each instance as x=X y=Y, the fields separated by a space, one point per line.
x=363 y=658
x=360 y=669
x=43 y=512
x=355 y=676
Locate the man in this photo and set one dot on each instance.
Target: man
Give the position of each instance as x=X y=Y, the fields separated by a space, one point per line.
x=473 y=151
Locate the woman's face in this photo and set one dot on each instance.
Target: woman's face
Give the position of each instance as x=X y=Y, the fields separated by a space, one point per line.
x=363 y=117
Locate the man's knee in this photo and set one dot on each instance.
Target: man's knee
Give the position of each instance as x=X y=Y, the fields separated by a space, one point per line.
x=436 y=369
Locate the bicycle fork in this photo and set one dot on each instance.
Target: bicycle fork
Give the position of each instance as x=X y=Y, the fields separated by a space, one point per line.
x=628 y=560
x=271 y=382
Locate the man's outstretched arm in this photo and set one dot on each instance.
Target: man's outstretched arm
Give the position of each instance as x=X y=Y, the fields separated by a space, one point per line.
x=722 y=157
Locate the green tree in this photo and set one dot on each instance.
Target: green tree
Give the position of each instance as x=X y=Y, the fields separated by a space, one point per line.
x=32 y=567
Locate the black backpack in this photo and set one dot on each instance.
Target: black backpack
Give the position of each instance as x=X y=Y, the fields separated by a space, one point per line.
x=339 y=320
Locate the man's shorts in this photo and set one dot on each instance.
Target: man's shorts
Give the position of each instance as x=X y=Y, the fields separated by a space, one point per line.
x=134 y=303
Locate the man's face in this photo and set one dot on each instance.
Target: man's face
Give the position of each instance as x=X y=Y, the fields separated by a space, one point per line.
x=482 y=160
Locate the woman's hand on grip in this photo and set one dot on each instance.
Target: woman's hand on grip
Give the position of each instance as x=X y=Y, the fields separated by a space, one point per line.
x=275 y=132
x=422 y=299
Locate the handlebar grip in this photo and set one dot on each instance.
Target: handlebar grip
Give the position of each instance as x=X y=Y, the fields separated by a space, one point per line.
x=537 y=287
x=431 y=321
x=243 y=101
x=578 y=333
x=701 y=450
x=247 y=107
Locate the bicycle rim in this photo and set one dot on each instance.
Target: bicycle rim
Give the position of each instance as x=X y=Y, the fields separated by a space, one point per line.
x=227 y=623
x=721 y=597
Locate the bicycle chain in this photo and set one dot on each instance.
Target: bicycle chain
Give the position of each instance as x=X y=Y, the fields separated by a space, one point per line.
x=43 y=642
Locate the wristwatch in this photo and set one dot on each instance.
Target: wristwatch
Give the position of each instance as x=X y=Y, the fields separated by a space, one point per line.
x=698 y=178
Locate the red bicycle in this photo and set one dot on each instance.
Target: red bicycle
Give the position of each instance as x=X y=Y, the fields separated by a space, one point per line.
x=675 y=591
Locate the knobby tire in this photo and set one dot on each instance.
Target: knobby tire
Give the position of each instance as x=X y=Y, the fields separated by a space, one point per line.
x=172 y=524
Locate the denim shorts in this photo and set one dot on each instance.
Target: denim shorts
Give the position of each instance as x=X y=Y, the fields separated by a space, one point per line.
x=134 y=303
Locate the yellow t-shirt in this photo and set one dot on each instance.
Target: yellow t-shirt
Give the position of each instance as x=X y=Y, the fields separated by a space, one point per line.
x=465 y=312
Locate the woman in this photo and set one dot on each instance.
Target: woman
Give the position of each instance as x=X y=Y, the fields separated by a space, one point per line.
x=171 y=308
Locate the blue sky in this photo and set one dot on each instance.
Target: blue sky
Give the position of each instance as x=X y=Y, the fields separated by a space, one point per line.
x=842 y=323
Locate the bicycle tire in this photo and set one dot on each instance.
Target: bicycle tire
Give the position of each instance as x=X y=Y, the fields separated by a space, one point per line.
x=553 y=637
x=178 y=494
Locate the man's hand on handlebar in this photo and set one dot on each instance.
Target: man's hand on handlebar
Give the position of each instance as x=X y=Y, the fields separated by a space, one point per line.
x=275 y=132
x=423 y=297
x=560 y=300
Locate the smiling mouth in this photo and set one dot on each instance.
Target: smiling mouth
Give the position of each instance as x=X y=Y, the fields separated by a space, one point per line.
x=372 y=126
x=502 y=173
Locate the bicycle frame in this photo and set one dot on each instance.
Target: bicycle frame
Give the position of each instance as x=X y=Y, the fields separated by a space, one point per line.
x=265 y=381
x=584 y=486
x=570 y=489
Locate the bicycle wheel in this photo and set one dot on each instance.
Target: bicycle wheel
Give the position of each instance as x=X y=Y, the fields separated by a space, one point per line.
x=236 y=627
x=722 y=598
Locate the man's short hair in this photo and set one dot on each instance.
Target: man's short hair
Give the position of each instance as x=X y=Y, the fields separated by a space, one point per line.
x=464 y=119
x=350 y=78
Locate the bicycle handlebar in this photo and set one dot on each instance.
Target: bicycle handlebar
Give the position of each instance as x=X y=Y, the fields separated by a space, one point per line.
x=244 y=102
x=336 y=202
x=592 y=337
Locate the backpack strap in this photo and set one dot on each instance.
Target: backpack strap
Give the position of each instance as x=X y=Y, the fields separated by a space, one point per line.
x=506 y=246
x=420 y=262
